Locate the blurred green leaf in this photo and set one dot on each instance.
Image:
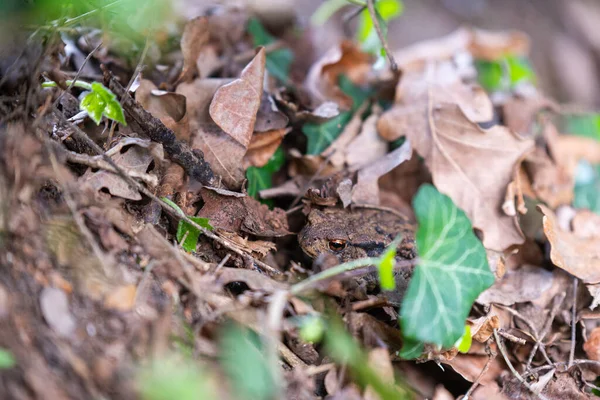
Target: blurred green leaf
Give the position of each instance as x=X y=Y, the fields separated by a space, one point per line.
x=587 y=187
x=191 y=240
x=504 y=74
x=174 y=378
x=452 y=271
x=7 y=360
x=358 y=94
x=326 y=10
x=101 y=101
x=586 y=125
x=386 y=267
x=385 y=11
x=243 y=360
x=279 y=61
x=346 y=351
x=411 y=349
x=464 y=343
x=322 y=135
x=260 y=178
x=312 y=328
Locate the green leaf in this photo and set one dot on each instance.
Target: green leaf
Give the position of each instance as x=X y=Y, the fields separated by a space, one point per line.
x=260 y=178
x=312 y=329
x=342 y=347
x=322 y=135
x=244 y=362
x=464 y=343
x=587 y=187
x=411 y=349
x=101 y=101
x=326 y=11
x=452 y=271
x=358 y=94
x=386 y=267
x=279 y=61
x=7 y=360
x=385 y=11
x=191 y=240
x=586 y=125
x=174 y=378
x=505 y=73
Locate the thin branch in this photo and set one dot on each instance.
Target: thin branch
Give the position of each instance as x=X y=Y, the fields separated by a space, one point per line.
x=491 y=357
x=382 y=38
x=512 y=369
x=573 y=322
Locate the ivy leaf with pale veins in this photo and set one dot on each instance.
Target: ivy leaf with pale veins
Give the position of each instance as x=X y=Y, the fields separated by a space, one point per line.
x=278 y=61
x=322 y=135
x=453 y=270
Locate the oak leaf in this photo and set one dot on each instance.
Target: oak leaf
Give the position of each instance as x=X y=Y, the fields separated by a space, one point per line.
x=234 y=105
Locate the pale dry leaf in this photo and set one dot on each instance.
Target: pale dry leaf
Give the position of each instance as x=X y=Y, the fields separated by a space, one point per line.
x=482 y=328
x=551 y=183
x=368 y=146
x=493 y=45
x=134 y=160
x=578 y=256
x=121 y=298
x=169 y=107
x=54 y=304
x=421 y=92
x=234 y=105
x=336 y=150
x=254 y=279
x=441 y=393
x=518 y=286
x=519 y=112
x=586 y=224
x=195 y=37
x=470 y=365
x=366 y=190
x=380 y=362
x=471 y=165
x=592 y=345
x=269 y=117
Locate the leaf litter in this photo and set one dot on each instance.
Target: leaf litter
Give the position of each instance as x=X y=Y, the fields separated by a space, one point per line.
x=117 y=258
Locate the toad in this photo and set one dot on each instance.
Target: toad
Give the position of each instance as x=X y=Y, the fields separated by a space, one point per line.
x=362 y=232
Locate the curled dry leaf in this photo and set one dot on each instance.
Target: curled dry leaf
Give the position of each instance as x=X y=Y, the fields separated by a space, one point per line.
x=322 y=79
x=368 y=146
x=169 y=107
x=455 y=149
x=551 y=183
x=234 y=105
x=269 y=117
x=196 y=35
x=366 y=190
x=578 y=256
x=262 y=146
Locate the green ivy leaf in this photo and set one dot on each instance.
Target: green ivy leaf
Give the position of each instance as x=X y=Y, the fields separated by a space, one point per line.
x=7 y=360
x=411 y=349
x=279 y=61
x=243 y=360
x=452 y=271
x=322 y=135
x=191 y=240
x=505 y=73
x=101 y=101
x=260 y=178
x=586 y=125
x=358 y=94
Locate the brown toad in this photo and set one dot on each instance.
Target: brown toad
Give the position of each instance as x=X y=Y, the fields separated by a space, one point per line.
x=362 y=232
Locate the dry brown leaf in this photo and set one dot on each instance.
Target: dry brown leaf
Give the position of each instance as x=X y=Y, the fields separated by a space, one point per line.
x=368 y=146
x=135 y=160
x=550 y=182
x=470 y=365
x=578 y=256
x=471 y=165
x=366 y=190
x=262 y=146
x=122 y=298
x=54 y=305
x=380 y=363
x=586 y=224
x=517 y=286
x=234 y=105
x=592 y=345
x=322 y=79
x=195 y=37
x=335 y=151
x=269 y=117
x=420 y=93
x=519 y=112
x=491 y=45
x=482 y=328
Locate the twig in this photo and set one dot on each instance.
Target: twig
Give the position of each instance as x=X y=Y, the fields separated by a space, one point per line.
x=512 y=338
x=573 y=322
x=491 y=357
x=166 y=207
x=382 y=38
x=192 y=161
x=512 y=369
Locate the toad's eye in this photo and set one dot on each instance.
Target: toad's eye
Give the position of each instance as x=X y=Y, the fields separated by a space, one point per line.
x=337 y=244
